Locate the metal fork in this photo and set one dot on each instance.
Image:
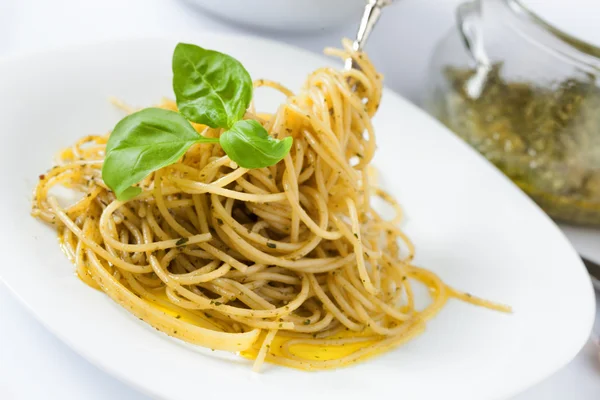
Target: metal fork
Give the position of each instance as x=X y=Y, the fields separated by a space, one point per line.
x=370 y=17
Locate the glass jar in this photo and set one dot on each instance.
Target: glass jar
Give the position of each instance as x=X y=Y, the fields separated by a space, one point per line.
x=526 y=95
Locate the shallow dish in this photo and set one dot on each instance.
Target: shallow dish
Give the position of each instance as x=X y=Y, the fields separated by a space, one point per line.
x=470 y=224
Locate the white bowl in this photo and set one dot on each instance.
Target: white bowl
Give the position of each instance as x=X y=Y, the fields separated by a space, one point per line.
x=291 y=15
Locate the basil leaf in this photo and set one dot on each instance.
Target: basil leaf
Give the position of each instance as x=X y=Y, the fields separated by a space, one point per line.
x=250 y=146
x=129 y=193
x=211 y=88
x=144 y=142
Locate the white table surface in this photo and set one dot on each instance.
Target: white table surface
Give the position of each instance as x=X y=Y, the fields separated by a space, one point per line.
x=36 y=365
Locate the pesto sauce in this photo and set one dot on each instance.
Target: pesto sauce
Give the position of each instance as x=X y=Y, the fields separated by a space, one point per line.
x=546 y=139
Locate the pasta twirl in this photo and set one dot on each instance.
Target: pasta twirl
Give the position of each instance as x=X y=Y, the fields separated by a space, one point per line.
x=269 y=262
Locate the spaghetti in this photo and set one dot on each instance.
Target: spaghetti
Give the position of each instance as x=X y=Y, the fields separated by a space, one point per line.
x=269 y=262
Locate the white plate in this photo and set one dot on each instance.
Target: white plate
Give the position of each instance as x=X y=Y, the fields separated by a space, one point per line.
x=469 y=223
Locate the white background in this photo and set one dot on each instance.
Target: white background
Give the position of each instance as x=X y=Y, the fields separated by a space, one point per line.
x=33 y=363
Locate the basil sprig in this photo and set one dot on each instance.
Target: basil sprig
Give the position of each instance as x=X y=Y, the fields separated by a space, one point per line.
x=211 y=88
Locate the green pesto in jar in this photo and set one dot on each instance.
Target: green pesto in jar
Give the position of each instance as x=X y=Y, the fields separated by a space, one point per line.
x=546 y=139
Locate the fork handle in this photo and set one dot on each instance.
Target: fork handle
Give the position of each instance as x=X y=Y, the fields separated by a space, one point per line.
x=370 y=17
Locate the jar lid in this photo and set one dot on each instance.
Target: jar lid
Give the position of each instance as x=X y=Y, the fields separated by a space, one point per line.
x=576 y=18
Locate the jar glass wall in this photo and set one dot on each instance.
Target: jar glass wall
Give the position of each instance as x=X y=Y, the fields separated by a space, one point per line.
x=527 y=98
